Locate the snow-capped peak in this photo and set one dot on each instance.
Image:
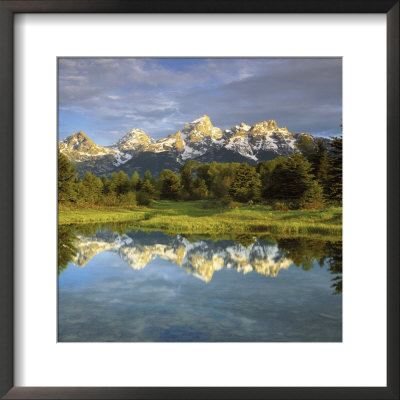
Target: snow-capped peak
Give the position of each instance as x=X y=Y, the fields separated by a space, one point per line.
x=132 y=140
x=171 y=142
x=201 y=128
x=201 y=119
x=198 y=140
x=79 y=145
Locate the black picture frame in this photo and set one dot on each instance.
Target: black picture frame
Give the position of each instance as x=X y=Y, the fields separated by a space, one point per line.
x=8 y=8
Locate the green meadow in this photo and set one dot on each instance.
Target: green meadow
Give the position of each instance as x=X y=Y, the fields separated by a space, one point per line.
x=209 y=218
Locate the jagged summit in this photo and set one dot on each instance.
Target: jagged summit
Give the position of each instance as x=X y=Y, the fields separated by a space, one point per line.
x=201 y=128
x=198 y=140
x=77 y=139
x=201 y=119
x=132 y=140
x=172 y=142
x=81 y=144
x=265 y=128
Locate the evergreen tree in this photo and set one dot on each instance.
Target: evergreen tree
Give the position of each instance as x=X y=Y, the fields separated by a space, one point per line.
x=305 y=146
x=221 y=176
x=200 y=190
x=170 y=185
x=313 y=197
x=291 y=180
x=221 y=185
x=92 y=188
x=120 y=183
x=203 y=173
x=246 y=185
x=106 y=184
x=322 y=170
x=148 y=176
x=135 y=181
x=186 y=173
x=335 y=177
x=143 y=198
x=320 y=164
x=66 y=179
x=81 y=191
x=266 y=169
x=147 y=187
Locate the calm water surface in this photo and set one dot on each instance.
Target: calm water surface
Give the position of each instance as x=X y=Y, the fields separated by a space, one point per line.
x=136 y=287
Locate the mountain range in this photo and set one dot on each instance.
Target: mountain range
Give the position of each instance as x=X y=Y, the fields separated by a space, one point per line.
x=198 y=140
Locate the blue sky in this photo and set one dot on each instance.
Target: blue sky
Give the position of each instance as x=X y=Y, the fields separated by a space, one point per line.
x=107 y=97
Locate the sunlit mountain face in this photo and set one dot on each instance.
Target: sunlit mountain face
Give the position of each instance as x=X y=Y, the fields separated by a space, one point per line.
x=198 y=140
x=201 y=258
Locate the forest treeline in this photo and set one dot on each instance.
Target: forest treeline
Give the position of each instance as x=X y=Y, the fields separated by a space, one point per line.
x=310 y=178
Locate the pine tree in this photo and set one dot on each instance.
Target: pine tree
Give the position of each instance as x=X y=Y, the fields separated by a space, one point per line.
x=313 y=197
x=120 y=183
x=92 y=188
x=305 y=146
x=320 y=164
x=186 y=175
x=106 y=184
x=170 y=185
x=291 y=180
x=81 y=191
x=199 y=191
x=266 y=169
x=246 y=185
x=148 y=176
x=66 y=179
x=135 y=181
x=335 y=177
x=147 y=187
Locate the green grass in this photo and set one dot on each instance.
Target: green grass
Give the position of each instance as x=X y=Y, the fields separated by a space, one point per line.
x=76 y=215
x=204 y=218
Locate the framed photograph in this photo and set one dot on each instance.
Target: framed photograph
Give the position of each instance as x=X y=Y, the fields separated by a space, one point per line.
x=199 y=213
x=184 y=216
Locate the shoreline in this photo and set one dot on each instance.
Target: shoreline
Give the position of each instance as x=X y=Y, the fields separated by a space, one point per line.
x=197 y=217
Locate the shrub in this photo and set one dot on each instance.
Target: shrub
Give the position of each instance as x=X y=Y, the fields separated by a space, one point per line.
x=280 y=206
x=110 y=199
x=234 y=204
x=313 y=205
x=143 y=199
x=185 y=195
x=128 y=199
x=226 y=200
x=211 y=204
x=313 y=198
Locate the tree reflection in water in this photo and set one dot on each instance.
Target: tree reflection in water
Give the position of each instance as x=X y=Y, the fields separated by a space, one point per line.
x=304 y=251
x=66 y=250
x=77 y=244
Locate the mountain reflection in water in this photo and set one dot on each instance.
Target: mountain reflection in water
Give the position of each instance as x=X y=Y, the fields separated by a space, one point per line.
x=201 y=258
x=120 y=285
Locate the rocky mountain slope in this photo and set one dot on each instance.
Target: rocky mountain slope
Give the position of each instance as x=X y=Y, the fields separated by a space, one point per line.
x=199 y=140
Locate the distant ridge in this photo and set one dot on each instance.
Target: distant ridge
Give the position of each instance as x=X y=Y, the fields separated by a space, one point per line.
x=198 y=140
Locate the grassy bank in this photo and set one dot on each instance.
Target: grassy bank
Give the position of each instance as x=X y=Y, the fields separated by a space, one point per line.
x=202 y=217
x=79 y=215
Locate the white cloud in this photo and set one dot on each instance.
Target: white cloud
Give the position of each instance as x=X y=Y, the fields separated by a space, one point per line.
x=125 y=93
